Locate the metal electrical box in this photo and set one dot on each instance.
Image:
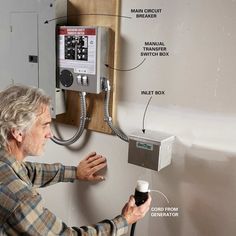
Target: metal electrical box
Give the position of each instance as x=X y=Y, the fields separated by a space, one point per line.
x=83 y=53
x=152 y=149
x=28 y=44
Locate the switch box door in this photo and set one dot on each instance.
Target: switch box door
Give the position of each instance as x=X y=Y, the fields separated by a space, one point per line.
x=28 y=44
x=24 y=48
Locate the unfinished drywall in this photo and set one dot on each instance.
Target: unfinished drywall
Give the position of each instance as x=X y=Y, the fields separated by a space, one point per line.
x=198 y=106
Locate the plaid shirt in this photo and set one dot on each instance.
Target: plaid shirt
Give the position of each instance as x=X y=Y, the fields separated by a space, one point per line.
x=21 y=208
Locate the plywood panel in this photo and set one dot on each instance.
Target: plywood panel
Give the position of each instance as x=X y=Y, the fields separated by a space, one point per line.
x=94 y=13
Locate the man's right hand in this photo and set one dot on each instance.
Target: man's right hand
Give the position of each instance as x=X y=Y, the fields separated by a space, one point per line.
x=133 y=213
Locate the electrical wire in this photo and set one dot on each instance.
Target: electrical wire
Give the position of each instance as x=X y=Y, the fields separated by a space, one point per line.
x=107 y=118
x=81 y=126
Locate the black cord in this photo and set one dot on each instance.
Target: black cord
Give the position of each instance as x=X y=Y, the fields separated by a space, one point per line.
x=140 y=198
x=132 y=229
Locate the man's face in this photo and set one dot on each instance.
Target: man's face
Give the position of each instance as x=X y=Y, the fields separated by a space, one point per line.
x=35 y=139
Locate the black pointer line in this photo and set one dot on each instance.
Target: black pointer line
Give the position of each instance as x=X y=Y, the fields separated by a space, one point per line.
x=47 y=21
x=126 y=69
x=145 y=113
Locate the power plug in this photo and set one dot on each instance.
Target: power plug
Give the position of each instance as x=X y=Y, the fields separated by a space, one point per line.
x=141 y=192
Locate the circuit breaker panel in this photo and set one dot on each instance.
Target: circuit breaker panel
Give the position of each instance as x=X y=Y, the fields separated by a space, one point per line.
x=28 y=45
x=83 y=53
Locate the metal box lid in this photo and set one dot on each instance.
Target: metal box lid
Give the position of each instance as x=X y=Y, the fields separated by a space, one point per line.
x=152 y=136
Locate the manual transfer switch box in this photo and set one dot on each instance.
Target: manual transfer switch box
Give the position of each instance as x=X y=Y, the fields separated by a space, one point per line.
x=152 y=149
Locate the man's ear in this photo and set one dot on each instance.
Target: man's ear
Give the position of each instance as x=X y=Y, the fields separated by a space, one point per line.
x=17 y=135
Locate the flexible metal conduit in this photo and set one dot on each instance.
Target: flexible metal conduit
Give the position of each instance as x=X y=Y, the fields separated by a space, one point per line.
x=107 y=118
x=81 y=126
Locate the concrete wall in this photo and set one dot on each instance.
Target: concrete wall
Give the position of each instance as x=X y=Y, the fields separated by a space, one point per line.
x=198 y=78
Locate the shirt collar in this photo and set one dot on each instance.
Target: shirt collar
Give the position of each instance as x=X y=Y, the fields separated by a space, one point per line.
x=17 y=166
x=6 y=157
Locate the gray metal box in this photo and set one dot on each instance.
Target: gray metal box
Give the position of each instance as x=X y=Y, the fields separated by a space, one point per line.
x=83 y=53
x=152 y=149
x=28 y=43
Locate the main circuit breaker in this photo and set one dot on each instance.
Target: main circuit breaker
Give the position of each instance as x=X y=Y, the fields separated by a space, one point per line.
x=28 y=45
x=83 y=53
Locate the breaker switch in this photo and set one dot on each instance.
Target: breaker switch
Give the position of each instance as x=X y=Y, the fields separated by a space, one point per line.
x=79 y=80
x=85 y=80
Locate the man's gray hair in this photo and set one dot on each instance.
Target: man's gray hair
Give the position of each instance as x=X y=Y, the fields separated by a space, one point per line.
x=19 y=106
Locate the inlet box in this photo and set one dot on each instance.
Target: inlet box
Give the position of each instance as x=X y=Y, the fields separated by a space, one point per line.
x=152 y=149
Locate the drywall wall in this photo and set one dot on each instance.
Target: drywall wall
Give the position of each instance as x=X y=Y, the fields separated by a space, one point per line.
x=197 y=105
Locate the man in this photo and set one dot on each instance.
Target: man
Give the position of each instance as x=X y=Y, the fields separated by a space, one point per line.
x=24 y=129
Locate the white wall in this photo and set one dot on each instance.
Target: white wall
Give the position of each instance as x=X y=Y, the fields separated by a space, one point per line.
x=199 y=108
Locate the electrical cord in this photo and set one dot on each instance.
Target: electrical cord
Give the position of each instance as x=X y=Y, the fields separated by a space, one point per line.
x=140 y=196
x=81 y=126
x=132 y=229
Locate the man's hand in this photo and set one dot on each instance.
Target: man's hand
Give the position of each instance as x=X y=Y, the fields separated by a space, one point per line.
x=87 y=168
x=133 y=213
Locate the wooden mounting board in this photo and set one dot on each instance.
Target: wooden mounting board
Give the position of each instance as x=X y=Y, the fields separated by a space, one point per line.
x=94 y=13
